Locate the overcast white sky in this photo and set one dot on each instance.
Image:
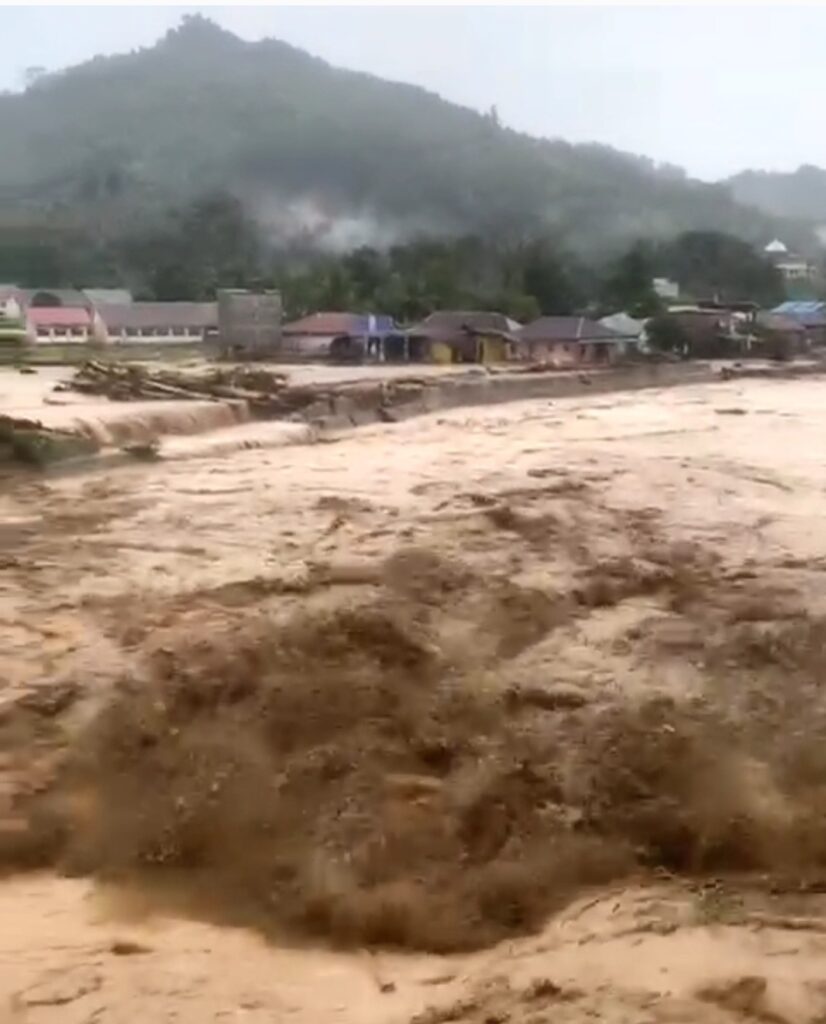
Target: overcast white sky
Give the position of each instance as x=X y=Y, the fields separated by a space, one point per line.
x=714 y=89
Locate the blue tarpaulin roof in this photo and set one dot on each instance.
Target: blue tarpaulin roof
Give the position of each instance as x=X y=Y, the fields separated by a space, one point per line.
x=812 y=313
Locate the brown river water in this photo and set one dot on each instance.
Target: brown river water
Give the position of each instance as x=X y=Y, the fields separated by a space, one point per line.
x=502 y=714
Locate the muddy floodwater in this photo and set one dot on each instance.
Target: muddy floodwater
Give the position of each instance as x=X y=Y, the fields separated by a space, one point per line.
x=501 y=714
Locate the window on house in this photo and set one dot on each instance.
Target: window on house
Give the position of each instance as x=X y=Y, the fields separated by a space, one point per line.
x=58 y=332
x=77 y=332
x=132 y=332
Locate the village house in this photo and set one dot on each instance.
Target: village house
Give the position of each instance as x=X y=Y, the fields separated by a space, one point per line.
x=630 y=329
x=810 y=315
x=458 y=337
x=64 y=325
x=777 y=337
x=710 y=331
x=564 y=341
x=790 y=265
x=158 y=323
x=61 y=316
x=348 y=337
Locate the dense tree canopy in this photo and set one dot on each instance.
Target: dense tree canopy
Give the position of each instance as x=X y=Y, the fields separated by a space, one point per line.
x=629 y=282
x=212 y=242
x=709 y=264
x=207 y=245
x=307 y=147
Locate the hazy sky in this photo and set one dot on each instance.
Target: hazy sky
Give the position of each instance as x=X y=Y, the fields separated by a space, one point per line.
x=714 y=89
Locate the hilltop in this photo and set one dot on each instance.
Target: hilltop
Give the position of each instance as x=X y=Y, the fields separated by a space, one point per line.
x=337 y=157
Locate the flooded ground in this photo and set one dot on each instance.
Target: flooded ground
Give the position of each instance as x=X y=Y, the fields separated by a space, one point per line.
x=544 y=660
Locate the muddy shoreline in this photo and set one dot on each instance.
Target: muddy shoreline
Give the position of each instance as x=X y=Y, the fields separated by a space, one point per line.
x=74 y=437
x=72 y=434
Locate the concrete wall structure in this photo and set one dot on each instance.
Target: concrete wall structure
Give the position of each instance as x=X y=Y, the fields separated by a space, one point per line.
x=249 y=323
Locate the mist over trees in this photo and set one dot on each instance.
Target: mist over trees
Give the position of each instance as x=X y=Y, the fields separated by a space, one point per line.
x=212 y=242
x=206 y=160
x=116 y=141
x=799 y=194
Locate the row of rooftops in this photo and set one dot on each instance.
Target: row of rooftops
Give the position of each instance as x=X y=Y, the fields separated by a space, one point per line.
x=789 y=316
x=72 y=308
x=61 y=308
x=442 y=326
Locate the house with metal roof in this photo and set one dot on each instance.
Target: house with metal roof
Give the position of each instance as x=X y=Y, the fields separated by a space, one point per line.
x=158 y=323
x=811 y=315
x=792 y=266
x=73 y=325
x=776 y=337
x=454 y=336
x=343 y=336
x=807 y=313
x=624 y=324
x=571 y=341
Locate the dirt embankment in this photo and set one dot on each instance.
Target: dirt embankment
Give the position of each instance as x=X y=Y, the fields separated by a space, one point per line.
x=179 y=402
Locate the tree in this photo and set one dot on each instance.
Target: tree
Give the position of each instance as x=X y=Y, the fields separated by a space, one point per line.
x=548 y=279
x=710 y=264
x=523 y=308
x=207 y=244
x=629 y=285
x=666 y=334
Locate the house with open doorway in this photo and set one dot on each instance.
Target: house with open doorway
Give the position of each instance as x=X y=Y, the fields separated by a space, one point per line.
x=344 y=337
x=462 y=337
x=569 y=341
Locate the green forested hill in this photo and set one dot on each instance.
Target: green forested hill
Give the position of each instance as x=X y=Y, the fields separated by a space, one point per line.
x=307 y=146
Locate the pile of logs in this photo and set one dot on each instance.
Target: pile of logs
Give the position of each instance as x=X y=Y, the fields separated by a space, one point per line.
x=267 y=394
x=129 y=382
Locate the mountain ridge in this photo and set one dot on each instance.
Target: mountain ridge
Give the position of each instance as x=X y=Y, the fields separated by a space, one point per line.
x=310 y=147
